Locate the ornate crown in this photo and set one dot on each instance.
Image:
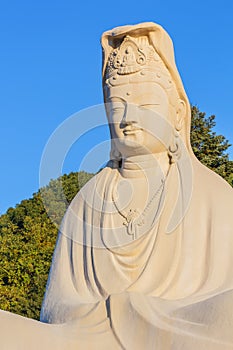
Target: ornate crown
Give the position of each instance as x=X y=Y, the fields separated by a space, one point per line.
x=135 y=60
x=131 y=56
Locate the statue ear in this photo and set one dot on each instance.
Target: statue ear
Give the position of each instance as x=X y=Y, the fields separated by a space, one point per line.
x=180 y=114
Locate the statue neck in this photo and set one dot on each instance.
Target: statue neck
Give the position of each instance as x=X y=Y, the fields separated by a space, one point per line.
x=141 y=165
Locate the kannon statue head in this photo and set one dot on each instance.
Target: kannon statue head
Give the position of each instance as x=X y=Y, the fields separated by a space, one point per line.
x=145 y=100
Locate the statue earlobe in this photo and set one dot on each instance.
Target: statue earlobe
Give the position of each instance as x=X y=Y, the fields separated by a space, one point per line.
x=180 y=114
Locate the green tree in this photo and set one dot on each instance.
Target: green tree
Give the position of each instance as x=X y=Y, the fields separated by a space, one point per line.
x=209 y=147
x=27 y=240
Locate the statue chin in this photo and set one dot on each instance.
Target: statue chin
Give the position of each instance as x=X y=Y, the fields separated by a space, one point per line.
x=129 y=148
x=148 y=267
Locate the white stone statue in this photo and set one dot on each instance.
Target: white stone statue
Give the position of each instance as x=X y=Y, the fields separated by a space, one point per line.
x=145 y=251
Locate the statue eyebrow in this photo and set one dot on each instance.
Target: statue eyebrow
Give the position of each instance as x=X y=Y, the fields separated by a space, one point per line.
x=149 y=104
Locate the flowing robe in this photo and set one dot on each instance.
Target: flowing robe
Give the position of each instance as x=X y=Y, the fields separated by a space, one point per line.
x=161 y=291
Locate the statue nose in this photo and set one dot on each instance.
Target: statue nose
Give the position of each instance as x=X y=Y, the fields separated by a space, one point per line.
x=130 y=115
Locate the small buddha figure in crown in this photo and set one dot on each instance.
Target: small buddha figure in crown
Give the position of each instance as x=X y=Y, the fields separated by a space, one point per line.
x=130 y=57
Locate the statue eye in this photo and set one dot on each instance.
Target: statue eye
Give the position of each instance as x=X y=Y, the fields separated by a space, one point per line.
x=117 y=107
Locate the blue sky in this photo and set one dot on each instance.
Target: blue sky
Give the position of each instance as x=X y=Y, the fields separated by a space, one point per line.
x=51 y=68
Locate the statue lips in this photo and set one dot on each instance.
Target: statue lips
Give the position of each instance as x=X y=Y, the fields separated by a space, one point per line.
x=131 y=130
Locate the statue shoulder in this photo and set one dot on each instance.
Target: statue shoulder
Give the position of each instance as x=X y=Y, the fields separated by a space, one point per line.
x=211 y=186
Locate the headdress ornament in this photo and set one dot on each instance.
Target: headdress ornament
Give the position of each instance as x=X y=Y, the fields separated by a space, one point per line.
x=131 y=56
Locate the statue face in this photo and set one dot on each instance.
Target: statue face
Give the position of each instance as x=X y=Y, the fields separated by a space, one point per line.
x=132 y=110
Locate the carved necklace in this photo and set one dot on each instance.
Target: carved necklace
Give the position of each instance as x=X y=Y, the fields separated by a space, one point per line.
x=132 y=217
